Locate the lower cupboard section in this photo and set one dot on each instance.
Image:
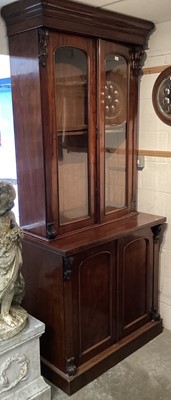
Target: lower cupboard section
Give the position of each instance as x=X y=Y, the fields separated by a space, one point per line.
x=98 y=304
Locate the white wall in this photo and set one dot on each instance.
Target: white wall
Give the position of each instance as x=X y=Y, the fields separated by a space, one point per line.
x=4 y=61
x=3 y=41
x=154 y=181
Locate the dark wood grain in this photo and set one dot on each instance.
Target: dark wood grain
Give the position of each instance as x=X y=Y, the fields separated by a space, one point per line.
x=70 y=17
x=79 y=241
x=44 y=298
x=28 y=131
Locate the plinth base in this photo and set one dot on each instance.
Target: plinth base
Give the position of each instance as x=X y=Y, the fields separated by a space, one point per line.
x=99 y=364
x=20 y=376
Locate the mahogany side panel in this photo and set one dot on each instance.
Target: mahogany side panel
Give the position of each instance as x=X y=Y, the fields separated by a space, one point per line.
x=28 y=131
x=44 y=298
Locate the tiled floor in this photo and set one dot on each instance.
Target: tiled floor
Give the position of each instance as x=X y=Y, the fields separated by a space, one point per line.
x=144 y=375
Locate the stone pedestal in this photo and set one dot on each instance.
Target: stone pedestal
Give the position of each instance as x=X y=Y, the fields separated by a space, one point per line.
x=20 y=376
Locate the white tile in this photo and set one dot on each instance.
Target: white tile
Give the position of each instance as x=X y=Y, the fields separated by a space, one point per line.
x=165 y=312
x=165 y=290
x=156 y=53
x=154 y=59
x=146 y=85
x=169 y=141
x=155 y=177
x=166 y=263
x=161 y=261
x=153 y=141
x=157 y=160
x=151 y=202
x=167 y=237
x=139 y=180
x=167 y=234
x=168 y=205
x=162 y=127
x=149 y=178
x=160 y=40
x=163 y=173
x=148 y=121
x=168 y=59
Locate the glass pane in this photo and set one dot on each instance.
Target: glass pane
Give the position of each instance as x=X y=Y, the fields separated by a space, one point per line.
x=116 y=83
x=72 y=133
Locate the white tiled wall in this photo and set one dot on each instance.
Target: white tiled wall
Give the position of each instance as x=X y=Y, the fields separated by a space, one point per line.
x=154 y=181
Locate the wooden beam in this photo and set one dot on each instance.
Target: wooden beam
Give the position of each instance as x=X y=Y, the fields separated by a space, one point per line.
x=154 y=153
x=154 y=70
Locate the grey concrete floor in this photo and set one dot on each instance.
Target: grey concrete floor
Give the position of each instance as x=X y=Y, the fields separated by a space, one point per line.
x=144 y=375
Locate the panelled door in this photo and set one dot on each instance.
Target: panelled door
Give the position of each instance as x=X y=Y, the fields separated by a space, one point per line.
x=116 y=107
x=70 y=131
x=91 y=303
x=135 y=280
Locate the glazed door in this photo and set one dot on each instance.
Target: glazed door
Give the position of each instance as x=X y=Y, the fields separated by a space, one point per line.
x=91 y=303
x=115 y=130
x=135 y=255
x=71 y=132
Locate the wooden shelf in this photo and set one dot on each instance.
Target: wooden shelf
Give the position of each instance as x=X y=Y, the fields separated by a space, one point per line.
x=71 y=132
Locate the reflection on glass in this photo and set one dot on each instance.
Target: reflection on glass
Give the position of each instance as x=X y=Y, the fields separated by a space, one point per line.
x=115 y=90
x=72 y=133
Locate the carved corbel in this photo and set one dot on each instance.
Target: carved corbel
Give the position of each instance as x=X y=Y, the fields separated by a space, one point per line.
x=71 y=368
x=43 y=46
x=138 y=58
x=67 y=268
x=155 y=316
x=50 y=231
x=158 y=231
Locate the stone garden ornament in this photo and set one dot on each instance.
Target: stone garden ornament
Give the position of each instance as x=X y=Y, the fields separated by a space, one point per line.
x=12 y=317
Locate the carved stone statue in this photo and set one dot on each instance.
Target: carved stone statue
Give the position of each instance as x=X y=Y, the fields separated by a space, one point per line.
x=12 y=316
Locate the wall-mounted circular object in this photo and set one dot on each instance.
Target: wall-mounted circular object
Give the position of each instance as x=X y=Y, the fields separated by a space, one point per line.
x=162 y=96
